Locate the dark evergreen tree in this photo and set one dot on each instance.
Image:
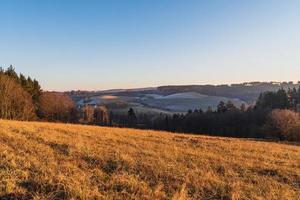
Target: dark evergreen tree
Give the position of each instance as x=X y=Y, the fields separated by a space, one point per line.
x=132 y=119
x=10 y=71
x=167 y=123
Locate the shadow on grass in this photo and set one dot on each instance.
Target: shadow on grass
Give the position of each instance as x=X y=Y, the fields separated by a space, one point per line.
x=14 y=196
x=44 y=190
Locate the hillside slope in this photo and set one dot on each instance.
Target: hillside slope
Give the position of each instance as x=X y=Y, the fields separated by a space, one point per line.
x=59 y=161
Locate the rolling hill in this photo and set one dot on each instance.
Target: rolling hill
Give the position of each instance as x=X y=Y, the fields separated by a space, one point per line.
x=62 y=161
x=178 y=99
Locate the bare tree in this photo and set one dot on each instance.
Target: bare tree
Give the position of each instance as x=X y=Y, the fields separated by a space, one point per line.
x=56 y=106
x=15 y=102
x=101 y=115
x=284 y=124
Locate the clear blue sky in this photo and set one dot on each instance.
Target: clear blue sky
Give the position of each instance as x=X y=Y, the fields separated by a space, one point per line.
x=138 y=43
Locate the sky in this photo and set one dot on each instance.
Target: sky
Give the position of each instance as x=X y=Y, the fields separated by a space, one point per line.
x=109 y=44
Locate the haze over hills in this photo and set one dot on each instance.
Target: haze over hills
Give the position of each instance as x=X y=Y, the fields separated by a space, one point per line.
x=179 y=98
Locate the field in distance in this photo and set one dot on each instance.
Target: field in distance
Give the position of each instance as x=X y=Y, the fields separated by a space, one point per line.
x=61 y=161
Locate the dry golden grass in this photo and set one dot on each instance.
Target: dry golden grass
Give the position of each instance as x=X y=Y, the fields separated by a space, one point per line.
x=59 y=161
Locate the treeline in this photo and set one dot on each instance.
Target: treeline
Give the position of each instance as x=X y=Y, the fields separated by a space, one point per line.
x=248 y=92
x=21 y=98
x=275 y=115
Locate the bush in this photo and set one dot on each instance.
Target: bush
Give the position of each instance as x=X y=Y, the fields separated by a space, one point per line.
x=283 y=124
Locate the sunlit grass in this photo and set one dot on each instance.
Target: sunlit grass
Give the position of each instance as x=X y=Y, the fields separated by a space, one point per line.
x=60 y=161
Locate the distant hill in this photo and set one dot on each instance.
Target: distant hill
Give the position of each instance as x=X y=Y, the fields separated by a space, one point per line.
x=182 y=102
x=180 y=98
x=63 y=161
x=248 y=92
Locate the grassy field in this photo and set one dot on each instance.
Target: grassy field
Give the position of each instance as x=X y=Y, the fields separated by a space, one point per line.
x=59 y=161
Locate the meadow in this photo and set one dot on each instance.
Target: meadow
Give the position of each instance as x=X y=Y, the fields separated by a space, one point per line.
x=64 y=161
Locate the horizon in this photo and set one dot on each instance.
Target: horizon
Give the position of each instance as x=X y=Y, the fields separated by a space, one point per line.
x=174 y=85
x=96 y=46
x=156 y=86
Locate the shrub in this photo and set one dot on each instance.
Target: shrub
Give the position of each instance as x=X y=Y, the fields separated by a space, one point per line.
x=283 y=124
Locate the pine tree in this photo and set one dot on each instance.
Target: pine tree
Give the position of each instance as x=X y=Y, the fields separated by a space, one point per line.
x=167 y=123
x=132 y=119
x=10 y=71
